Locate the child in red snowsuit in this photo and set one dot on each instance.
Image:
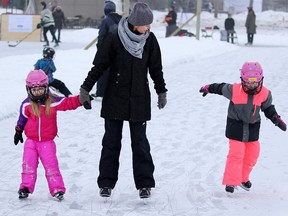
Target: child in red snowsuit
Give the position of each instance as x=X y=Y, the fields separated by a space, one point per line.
x=243 y=122
x=38 y=119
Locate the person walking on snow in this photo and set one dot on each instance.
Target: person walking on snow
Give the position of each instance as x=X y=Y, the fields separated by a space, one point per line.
x=59 y=19
x=229 y=27
x=38 y=120
x=171 y=18
x=243 y=122
x=108 y=25
x=131 y=53
x=48 y=24
x=47 y=65
x=250 y=25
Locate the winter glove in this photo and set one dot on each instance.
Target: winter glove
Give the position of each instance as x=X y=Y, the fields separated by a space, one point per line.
x=85 y=98
x=162 y=100
x=39 y=25
x=204 y=90
x=18 y=135
x=276 y=119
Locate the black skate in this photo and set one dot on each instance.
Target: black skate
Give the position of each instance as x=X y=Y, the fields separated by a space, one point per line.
x=144 y=193
x=59 y=195
x=230 y=188
x=246 y=185
x=23 y=193
x=105 y=192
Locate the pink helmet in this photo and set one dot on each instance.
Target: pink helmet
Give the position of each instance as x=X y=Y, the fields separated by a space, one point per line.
x=36 y=78
x=251 y=72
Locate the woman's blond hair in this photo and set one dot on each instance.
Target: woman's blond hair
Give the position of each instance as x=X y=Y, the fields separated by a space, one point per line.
x=36 y=106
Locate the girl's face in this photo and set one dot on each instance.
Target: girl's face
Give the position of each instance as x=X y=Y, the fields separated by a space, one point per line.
x=38 y=91
x=142 y=29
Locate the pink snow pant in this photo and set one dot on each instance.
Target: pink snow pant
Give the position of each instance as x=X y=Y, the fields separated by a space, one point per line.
x=46 y=151
x=241 y=159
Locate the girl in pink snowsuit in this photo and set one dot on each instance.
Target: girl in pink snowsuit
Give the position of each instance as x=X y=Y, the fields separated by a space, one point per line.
x=247 y=99
x=38 y=119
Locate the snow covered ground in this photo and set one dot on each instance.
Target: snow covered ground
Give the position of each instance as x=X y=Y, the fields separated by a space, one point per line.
x=186 y=137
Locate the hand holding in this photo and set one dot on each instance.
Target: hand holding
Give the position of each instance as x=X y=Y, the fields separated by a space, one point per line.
x=162 y=100
x=276 y=119
x=18 y=135
x=204 y=90
x=85 y=98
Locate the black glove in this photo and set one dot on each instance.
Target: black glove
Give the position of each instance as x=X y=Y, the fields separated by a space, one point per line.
x=18 y=135
x=276 y=119
x=162 y=100
x=85 y=98
x=204 y=90
x=39 y=25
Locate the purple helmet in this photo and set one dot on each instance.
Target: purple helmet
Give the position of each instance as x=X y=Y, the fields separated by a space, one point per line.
x=251 y=72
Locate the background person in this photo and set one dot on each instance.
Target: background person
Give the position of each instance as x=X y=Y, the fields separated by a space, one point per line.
x=108 y=25
x=229 y=27
x=170 y=19
x=250 y=25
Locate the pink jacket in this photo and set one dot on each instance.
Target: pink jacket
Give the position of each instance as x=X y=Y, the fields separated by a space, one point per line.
x=44 y=128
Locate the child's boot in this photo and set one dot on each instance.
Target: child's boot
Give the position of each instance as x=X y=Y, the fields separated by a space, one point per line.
x=246 y=185
x=230 y=188
x=59 y=195
x=23 y=193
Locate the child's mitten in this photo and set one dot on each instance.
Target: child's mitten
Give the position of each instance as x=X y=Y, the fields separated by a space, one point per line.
x=276 y=119
x=18 y=135
x=204 y=90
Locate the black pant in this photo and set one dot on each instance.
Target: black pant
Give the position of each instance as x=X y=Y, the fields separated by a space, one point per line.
x=143 y=166
x=250 y=38
x=59 y=33
x=52 y=31
x=61 y=87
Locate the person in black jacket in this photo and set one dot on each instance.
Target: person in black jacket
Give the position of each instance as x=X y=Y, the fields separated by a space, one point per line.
x=59 y=19
x=171 y=18
x=108 y=25
x=131 y=53
x=229 y=27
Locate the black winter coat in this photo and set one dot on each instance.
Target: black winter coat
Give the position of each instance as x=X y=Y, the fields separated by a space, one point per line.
x=59 y=19
x=127 y=96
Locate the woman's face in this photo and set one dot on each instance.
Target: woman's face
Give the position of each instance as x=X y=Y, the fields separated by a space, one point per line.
x=142 y=29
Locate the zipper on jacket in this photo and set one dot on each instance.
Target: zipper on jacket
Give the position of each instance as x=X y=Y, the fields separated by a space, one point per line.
x=39 y=129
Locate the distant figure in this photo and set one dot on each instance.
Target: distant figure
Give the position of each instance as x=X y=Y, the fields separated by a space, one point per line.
x=250 y=25
x=59 y=19
x=48 y=24
x=229 y=27
x=108 y=25
x=171 y=18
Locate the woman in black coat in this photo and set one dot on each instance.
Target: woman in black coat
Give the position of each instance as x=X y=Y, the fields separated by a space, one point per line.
x=59 y=20
x=131 y=53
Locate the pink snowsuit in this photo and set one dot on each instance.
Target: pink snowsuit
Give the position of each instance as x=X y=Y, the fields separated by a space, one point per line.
x=40 y=132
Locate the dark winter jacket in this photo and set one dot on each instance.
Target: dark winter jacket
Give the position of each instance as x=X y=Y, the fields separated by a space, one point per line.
x=251 y=23
x=108 y=25
x=243 y=120
x=171 y=18
x=59 y=18
x=229 y=24
x=127 y=96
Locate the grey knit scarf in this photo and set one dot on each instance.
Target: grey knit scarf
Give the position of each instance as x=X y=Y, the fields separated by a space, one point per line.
x=133 y=43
